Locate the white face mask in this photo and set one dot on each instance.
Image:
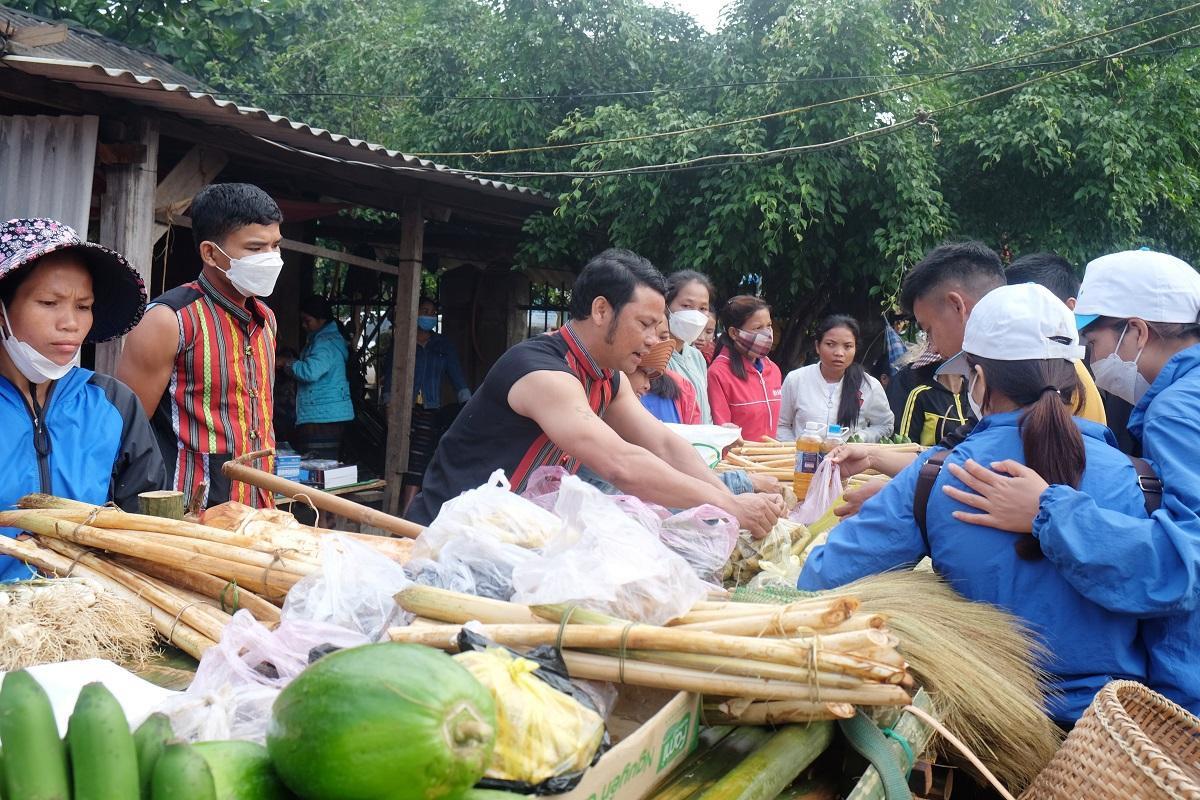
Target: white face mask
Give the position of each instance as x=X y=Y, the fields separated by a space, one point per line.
x=976 y=408
x=254 y=276
x=36 y=368
x=1120 y=377
x=687 y=325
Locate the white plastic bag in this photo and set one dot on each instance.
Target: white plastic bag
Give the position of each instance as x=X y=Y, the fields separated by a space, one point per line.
x=705 y=536
x=355 y=589
x=710 y=441
x=238 y=680
x=492 y=510
x=489 y=562
x=606 y=561
x=823 y=492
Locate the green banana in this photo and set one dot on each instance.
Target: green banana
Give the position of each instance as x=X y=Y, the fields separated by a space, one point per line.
x=182 y=774
x=103 y=758
x=149 y=740
x=36 y=757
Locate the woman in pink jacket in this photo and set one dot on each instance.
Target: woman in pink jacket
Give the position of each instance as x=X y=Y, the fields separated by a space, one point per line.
x=744 y=385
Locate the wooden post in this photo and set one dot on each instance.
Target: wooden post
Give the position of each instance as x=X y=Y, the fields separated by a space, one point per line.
x=404 y=351
x=127 y=216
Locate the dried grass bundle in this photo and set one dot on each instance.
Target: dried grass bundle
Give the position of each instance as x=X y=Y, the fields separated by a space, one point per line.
x=977 y=663
x=65 y=619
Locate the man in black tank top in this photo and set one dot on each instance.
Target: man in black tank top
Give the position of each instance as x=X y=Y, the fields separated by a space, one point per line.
x=559 y=400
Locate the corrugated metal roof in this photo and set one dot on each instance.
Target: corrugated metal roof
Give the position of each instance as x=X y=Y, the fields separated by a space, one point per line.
x=46 y=168
x=209 y=109
x=84 y=44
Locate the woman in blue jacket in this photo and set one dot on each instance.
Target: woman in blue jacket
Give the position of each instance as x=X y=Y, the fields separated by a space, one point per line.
x=323 y=404
x=1018 y=350
x=67 y=431
x=1140 y=315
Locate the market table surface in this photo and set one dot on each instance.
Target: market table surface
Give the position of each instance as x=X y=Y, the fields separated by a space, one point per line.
x=353 y=488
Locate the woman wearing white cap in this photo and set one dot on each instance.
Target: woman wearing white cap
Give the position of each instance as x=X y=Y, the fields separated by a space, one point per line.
x=67 y=431
x=1018 y=350
x=1138 y=311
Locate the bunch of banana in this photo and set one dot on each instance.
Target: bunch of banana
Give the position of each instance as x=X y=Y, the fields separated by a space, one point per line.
x=101 y=759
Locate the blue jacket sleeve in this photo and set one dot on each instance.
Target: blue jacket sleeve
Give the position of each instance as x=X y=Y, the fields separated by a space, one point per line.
x=454 y=369
x=1145 y=566
x=323 y=357
x=881 y=537
x=139 y=465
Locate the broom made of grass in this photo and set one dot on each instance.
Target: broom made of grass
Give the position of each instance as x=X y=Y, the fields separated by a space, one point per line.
x=171 y=626
x=598 y=647
x=979 y=665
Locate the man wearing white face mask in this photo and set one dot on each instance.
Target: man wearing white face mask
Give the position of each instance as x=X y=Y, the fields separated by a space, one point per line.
x=202 y=361
x=67 y=431
x=1139 y=313
x=689 y=295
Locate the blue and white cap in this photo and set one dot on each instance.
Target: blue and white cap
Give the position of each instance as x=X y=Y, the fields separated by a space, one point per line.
x=1024 y=322
x=1142 y=283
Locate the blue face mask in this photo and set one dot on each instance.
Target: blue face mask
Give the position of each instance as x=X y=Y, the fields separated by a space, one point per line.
x=427 y=323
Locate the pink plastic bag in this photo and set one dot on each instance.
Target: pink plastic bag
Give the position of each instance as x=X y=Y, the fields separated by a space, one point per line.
x=705 y=536
x=823 y=492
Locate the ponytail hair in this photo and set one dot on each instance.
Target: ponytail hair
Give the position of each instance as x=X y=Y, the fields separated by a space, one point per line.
x=1051 y=440
x=734 y=315
x=849 y=408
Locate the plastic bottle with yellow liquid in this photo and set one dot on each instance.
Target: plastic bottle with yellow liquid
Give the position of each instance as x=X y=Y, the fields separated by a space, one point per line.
x=808 y=457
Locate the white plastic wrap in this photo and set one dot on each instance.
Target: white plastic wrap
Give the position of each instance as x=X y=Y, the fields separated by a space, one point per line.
x=490 y=510
x=605 y=561
x=238 y=680
x=704 y=536
x=823 y=492
x=355 y=589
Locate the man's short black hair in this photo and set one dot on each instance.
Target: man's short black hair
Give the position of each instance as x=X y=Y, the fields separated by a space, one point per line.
x=613 y=275
x=973 y=266
x=221 y=208
x=1047 y=269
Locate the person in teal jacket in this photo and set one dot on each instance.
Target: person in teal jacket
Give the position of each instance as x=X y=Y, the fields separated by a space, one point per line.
x=323 y=403
x=1138 y=311
x=1018 y=350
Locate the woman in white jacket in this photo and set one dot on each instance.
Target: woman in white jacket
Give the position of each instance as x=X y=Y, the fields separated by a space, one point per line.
x=836 y=390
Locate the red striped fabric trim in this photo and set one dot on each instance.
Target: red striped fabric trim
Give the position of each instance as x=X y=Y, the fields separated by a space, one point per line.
x=597 y=384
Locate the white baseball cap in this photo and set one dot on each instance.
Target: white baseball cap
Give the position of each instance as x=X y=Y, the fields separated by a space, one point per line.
x=1152 y=286
x=1024 y=322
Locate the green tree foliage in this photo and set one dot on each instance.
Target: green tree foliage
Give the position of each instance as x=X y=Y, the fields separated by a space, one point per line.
x=1102 y=156
x=225 y=43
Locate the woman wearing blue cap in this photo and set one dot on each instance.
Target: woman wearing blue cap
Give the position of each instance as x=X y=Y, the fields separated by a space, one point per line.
x=1138 y=311
x=1018 y=352
x=67 y=431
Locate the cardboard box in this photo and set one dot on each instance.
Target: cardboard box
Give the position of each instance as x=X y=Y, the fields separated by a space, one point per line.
x=328 y=474
x=654 y=731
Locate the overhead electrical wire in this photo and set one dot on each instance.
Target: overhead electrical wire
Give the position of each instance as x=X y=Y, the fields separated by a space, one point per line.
x=730 y=159
x=678 y=89
x=706 y=162
x=800 y=109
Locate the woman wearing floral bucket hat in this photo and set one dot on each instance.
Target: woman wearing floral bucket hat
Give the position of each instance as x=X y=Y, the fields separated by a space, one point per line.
x=68 y=431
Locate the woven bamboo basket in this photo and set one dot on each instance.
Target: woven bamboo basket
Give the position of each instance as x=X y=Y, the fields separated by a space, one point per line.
x=1131 y=744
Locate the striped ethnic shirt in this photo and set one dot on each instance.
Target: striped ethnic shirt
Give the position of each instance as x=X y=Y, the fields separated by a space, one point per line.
x=218 y=403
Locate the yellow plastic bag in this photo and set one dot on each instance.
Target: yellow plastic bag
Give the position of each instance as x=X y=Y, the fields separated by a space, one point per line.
x=542 y=732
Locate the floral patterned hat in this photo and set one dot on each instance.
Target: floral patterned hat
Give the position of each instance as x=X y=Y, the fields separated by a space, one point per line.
x=120 y=292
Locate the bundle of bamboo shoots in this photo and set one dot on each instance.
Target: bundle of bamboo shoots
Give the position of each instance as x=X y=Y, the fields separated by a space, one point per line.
x=778 y=459
x=190 y=577
x=814 y=659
